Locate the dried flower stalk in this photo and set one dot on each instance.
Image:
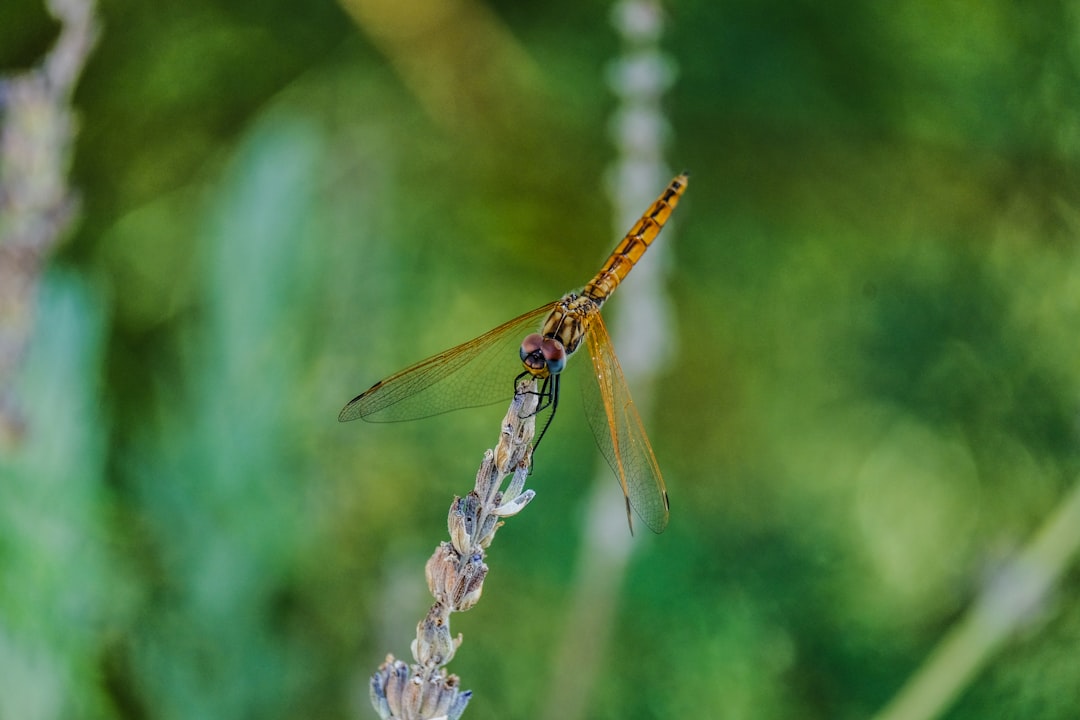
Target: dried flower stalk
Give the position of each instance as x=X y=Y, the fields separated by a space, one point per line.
x=456 y=572
x=37 y=208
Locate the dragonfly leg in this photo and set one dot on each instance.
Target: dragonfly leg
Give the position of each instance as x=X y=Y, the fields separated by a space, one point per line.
x=549 y=392
x=549 y=398
x=544 y=393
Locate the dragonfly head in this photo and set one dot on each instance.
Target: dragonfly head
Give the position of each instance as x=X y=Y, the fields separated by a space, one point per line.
x=542 y=356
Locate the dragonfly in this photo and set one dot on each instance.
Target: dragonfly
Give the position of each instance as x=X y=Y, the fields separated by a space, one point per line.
x=477 y=372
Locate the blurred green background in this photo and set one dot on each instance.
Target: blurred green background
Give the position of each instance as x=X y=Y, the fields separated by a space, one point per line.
x=872 y=403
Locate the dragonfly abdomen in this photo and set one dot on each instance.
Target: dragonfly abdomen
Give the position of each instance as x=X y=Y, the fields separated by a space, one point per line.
x=635 y=243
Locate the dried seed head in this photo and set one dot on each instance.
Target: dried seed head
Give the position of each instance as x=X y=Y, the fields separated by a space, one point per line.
x=398 y=693
x=456 y=572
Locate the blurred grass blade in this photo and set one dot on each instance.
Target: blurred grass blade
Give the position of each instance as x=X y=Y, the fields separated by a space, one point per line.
x=1013 y=599
x=222 y=480
x=55 y=572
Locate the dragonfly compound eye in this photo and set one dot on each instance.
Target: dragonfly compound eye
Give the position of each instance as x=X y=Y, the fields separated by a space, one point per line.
x=532 y=354
x=554 y=355
x=542 y=356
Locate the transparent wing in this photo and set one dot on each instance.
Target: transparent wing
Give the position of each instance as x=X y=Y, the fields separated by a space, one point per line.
x=618 y=430
x=475 y=373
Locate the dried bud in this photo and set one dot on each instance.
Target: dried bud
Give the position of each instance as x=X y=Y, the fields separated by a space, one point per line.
x=442 y=573
x=433 y=645
x=517 y=483
x=487 y=477
x=502 y=451
x=388 y=686
x=442 y=698
x=459 y=524
x=470 y=583
x=514 y=505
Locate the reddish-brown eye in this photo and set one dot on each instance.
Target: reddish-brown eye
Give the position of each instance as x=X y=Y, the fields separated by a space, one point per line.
x=532 y=354
x=531 y=344
x=542 y=356
x=554 y=355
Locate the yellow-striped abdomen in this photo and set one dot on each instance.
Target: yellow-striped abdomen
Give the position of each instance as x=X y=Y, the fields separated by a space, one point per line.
x=635 y=243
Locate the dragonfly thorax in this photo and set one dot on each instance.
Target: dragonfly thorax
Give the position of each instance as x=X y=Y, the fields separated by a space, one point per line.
x=570 y=320
x=544 y=353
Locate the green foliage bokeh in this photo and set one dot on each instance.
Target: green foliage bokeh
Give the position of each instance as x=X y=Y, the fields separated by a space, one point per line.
x=872 y=402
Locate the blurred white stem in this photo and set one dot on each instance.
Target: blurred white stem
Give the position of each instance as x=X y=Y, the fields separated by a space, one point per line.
x=642 y=330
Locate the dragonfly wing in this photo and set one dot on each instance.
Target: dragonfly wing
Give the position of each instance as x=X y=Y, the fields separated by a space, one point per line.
x=478 y=372
x=620 y=434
